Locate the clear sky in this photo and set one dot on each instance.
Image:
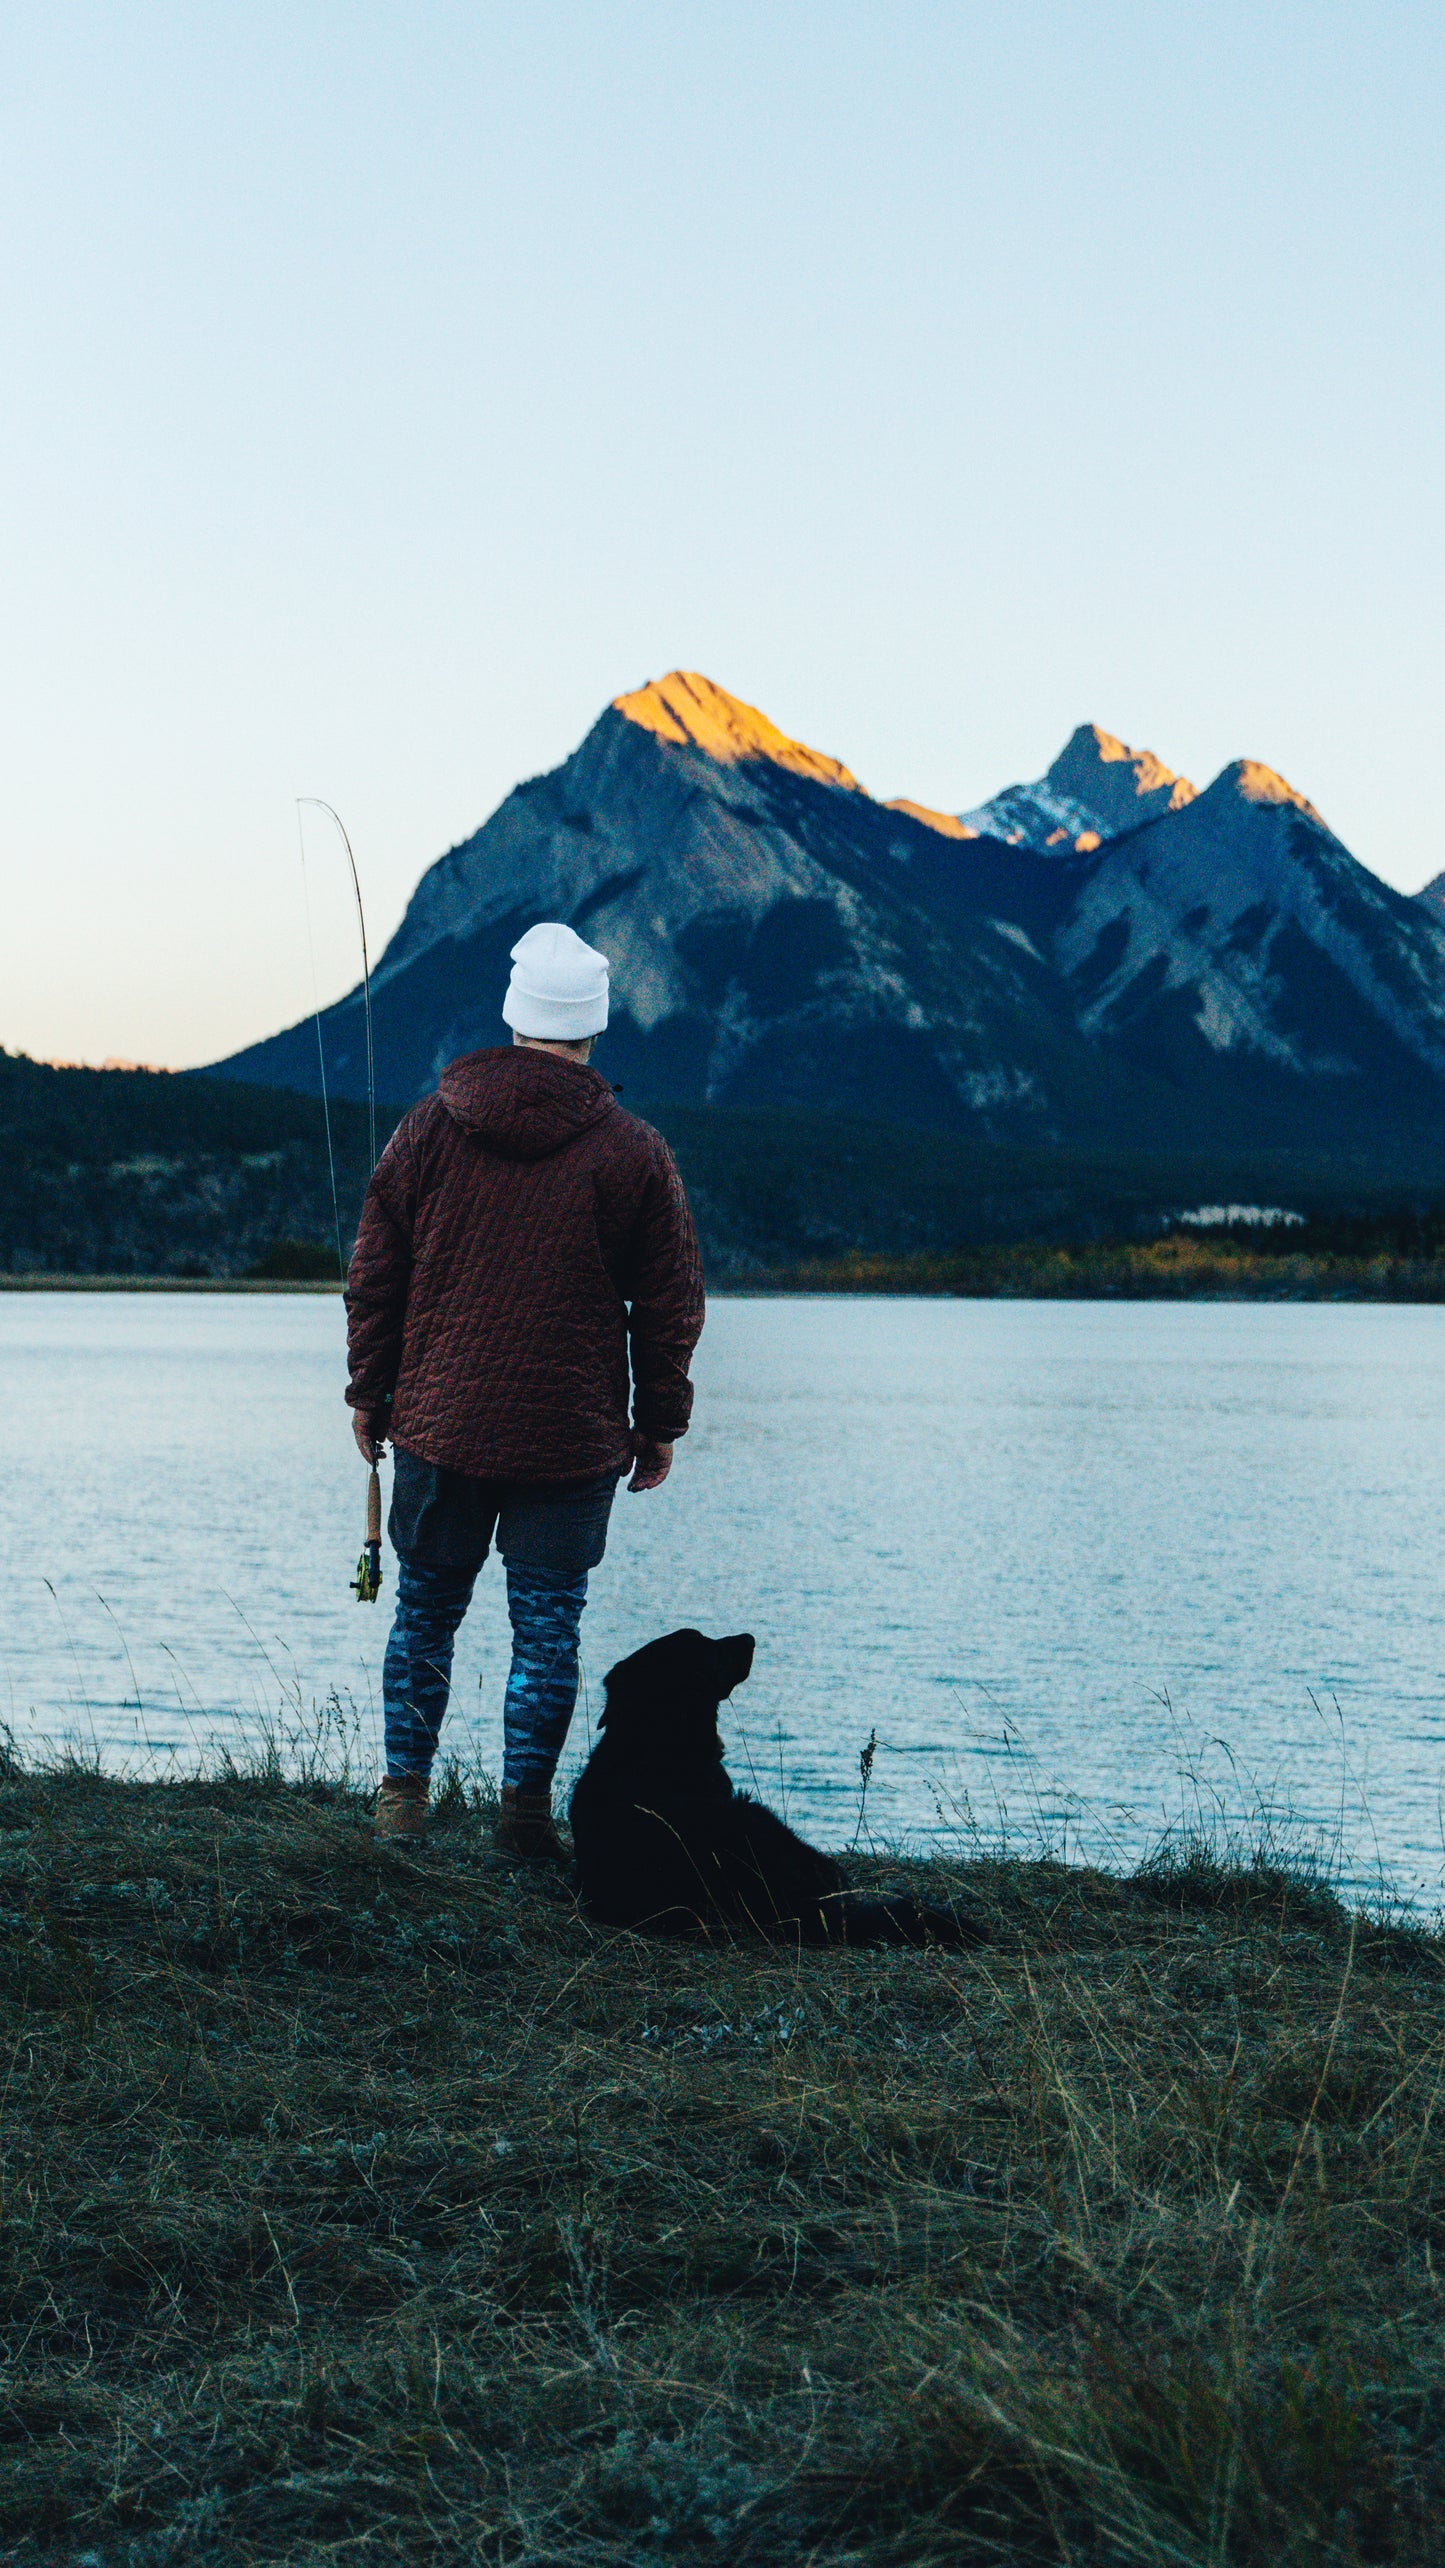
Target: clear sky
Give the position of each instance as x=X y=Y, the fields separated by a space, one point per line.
x=388 y=386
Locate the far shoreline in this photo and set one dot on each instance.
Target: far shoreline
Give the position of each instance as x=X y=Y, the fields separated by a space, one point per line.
x=1355 y=1282
x=162 y=1284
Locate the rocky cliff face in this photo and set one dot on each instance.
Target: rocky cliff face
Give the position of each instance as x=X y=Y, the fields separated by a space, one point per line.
x=1113 y=958
x=1282 y=948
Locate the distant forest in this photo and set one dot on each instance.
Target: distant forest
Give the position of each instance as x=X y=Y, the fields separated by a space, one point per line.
x=144 y=1173
x=153 y=1172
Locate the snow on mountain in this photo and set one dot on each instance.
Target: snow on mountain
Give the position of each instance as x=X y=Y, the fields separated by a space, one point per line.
x=1095 y=789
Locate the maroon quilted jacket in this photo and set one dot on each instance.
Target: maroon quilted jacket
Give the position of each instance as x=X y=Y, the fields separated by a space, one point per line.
x=519 y=1233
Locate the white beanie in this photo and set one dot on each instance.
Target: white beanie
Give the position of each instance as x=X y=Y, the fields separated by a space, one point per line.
x=558 y=989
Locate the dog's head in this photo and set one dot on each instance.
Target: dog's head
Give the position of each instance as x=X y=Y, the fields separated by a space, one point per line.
x=667 y=1695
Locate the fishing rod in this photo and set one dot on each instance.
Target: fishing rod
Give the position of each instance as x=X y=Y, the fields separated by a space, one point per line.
x=366 y=1585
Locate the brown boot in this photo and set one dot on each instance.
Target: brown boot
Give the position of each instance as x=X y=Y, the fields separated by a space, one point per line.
x=526 y=1827
x=401 y=1806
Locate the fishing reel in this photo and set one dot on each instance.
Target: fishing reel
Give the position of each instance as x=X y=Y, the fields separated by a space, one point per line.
x=366 y=1585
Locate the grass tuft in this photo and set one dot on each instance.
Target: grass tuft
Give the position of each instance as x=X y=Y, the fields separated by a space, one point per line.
x=365 y=2203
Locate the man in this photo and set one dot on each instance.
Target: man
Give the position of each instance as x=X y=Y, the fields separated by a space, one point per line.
x=521 y=1235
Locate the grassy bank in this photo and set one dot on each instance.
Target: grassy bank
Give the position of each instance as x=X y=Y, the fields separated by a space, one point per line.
x=364 y=2204
x=1175 y=1269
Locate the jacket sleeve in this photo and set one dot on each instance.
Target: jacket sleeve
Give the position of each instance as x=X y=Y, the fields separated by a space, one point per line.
x=380 y=1272
x=666 y=1295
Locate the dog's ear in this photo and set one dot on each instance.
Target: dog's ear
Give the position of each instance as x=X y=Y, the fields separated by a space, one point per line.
x=733 y=1660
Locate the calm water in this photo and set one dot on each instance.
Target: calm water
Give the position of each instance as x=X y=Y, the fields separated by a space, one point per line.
x=1082 y=1565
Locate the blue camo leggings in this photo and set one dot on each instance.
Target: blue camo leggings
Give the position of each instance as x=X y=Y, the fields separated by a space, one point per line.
x=546 y=1613
x=442 y=1525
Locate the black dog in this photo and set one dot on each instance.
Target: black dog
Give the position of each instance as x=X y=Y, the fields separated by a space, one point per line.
x=665 y=1843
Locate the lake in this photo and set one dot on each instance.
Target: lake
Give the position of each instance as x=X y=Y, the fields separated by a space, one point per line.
x=1085 y=1569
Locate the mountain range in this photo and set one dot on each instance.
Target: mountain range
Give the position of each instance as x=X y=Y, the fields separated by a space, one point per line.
x=1105 y=958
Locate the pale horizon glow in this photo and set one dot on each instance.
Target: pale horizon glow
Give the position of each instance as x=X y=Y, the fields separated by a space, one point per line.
x=390 y=389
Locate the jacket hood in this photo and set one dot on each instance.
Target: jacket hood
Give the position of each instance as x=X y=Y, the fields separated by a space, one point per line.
x=522 y=1104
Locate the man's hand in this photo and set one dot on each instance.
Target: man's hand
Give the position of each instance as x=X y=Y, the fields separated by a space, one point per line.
x=651 y=1462
x=371 y=1442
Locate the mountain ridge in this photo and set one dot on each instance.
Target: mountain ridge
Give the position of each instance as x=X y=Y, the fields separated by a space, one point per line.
x=1219 y=970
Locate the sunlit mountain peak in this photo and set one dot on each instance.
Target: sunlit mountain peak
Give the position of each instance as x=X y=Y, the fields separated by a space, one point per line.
x=688 y=710
x=1259 y=784
x=1088 y=749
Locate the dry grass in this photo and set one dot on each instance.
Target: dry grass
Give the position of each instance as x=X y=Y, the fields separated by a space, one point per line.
x=1180 y=1268
x=367 y=2205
